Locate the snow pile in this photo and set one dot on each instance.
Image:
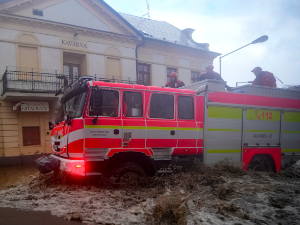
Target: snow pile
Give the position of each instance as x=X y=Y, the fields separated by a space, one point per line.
x=222 y=194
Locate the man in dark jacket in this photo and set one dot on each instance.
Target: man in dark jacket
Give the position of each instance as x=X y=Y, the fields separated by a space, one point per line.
x=174 y=83
x=263 y=78
x=210 y=74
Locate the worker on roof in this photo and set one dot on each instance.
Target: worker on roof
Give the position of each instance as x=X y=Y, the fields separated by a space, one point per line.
x=211 y=74
x=263 y=78
x=174 y=83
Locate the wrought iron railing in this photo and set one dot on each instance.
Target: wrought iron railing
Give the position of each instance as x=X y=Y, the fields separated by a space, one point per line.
x=33 y=81
x=30 y=81
x=114 y=79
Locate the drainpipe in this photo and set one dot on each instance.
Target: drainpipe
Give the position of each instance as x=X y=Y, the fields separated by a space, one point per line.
x=136 y=56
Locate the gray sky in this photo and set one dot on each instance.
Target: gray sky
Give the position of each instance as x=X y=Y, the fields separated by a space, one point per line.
x=229 y=24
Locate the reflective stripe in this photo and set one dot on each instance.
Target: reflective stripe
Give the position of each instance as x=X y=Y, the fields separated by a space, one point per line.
x=291 y=132
x=161 y=128
x=187 y=128
x=224 y=112
x=102 y=127
x=290 y=150
x=215 y=129
x=264 y=131
x=134 y=127
x=223 y=151
x=141 y=128
x=291 y=117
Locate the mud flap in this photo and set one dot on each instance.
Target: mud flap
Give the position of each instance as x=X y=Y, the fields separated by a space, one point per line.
x=46 y=164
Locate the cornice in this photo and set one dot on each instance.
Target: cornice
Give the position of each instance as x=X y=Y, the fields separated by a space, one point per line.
x=22 y=5
x=49 y=25
x=158 y=45
x=95 y=5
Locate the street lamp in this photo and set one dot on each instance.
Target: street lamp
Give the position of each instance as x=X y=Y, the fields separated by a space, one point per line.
x=258 y=40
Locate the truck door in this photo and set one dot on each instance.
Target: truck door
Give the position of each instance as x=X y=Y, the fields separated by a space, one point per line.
x=69 y=136
x=187 y=128
x=261 y=128
x=223 y=134
x=133 y=116
x=161 y=123
x=104 y=132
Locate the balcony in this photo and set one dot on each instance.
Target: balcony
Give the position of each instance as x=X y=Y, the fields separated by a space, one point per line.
x=25 y=84
x=32 y=82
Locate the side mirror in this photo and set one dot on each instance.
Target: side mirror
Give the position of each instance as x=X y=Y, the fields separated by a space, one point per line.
x=69 y=120
x=51 y=126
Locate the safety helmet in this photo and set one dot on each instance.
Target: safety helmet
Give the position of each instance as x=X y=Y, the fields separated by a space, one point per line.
x=173 y=74
x=210 y=66
x=258 y=69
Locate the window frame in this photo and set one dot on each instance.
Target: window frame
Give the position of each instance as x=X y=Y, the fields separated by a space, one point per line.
x=37 y=12
x=178 y=106
x=149 y=73
x=198 y=77
x=40 y=139
x=171 y=68
x=104 y=89
x=141 y=107
x=174 y=106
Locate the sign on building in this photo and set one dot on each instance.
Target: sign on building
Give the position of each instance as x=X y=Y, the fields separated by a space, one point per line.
x=31 y=106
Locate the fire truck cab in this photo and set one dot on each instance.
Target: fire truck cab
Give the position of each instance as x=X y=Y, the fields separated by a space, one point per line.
x=115 y=129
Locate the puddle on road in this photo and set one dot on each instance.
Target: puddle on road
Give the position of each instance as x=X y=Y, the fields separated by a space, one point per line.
x=11 y=175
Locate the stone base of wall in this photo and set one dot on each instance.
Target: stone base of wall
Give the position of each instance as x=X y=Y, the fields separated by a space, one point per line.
x=19 y=160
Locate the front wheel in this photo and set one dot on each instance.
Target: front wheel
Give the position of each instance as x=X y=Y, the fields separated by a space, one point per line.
x=129 y=173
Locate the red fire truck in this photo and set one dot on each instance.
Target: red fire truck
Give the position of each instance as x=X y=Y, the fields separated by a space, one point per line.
x=118 y=129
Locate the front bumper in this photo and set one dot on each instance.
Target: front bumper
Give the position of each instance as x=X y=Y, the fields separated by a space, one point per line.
x=71 y=166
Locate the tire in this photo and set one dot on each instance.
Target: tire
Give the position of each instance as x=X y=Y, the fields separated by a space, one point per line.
x=128 y=174
x=261 y=163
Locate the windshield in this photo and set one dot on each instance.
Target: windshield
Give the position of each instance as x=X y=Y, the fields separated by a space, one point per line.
x=73 y=107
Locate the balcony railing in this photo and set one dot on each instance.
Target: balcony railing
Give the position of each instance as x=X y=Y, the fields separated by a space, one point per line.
x=33 y=81
x=114 y=79
x=47 y=82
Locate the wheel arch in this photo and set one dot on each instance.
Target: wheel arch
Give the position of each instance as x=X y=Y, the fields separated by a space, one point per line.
x=272 y=154
x=140 y=158
x=268 y=156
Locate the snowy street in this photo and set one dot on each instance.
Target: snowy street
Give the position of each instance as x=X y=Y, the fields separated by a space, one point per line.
x=222 y=194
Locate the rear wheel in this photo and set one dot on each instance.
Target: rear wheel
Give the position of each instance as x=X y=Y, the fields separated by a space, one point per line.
x=129 y=173
x=261 y=163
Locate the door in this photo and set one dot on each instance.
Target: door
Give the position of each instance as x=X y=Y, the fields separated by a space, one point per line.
x=105 y=133
x=161 y=122
x=28 y=62
x=187 y=128
x=134 y=124
x=114 y=69
x=223 y=134
x=72 y=71
x=28 y=59
x=261 y=128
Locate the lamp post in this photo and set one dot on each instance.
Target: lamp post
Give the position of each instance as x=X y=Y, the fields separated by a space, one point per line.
x=258 y=40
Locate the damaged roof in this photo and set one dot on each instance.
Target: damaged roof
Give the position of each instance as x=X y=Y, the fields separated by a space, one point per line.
x=163 y=31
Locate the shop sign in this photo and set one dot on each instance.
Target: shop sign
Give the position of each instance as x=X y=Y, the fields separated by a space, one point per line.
x=73 y=43
x=31 y=106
